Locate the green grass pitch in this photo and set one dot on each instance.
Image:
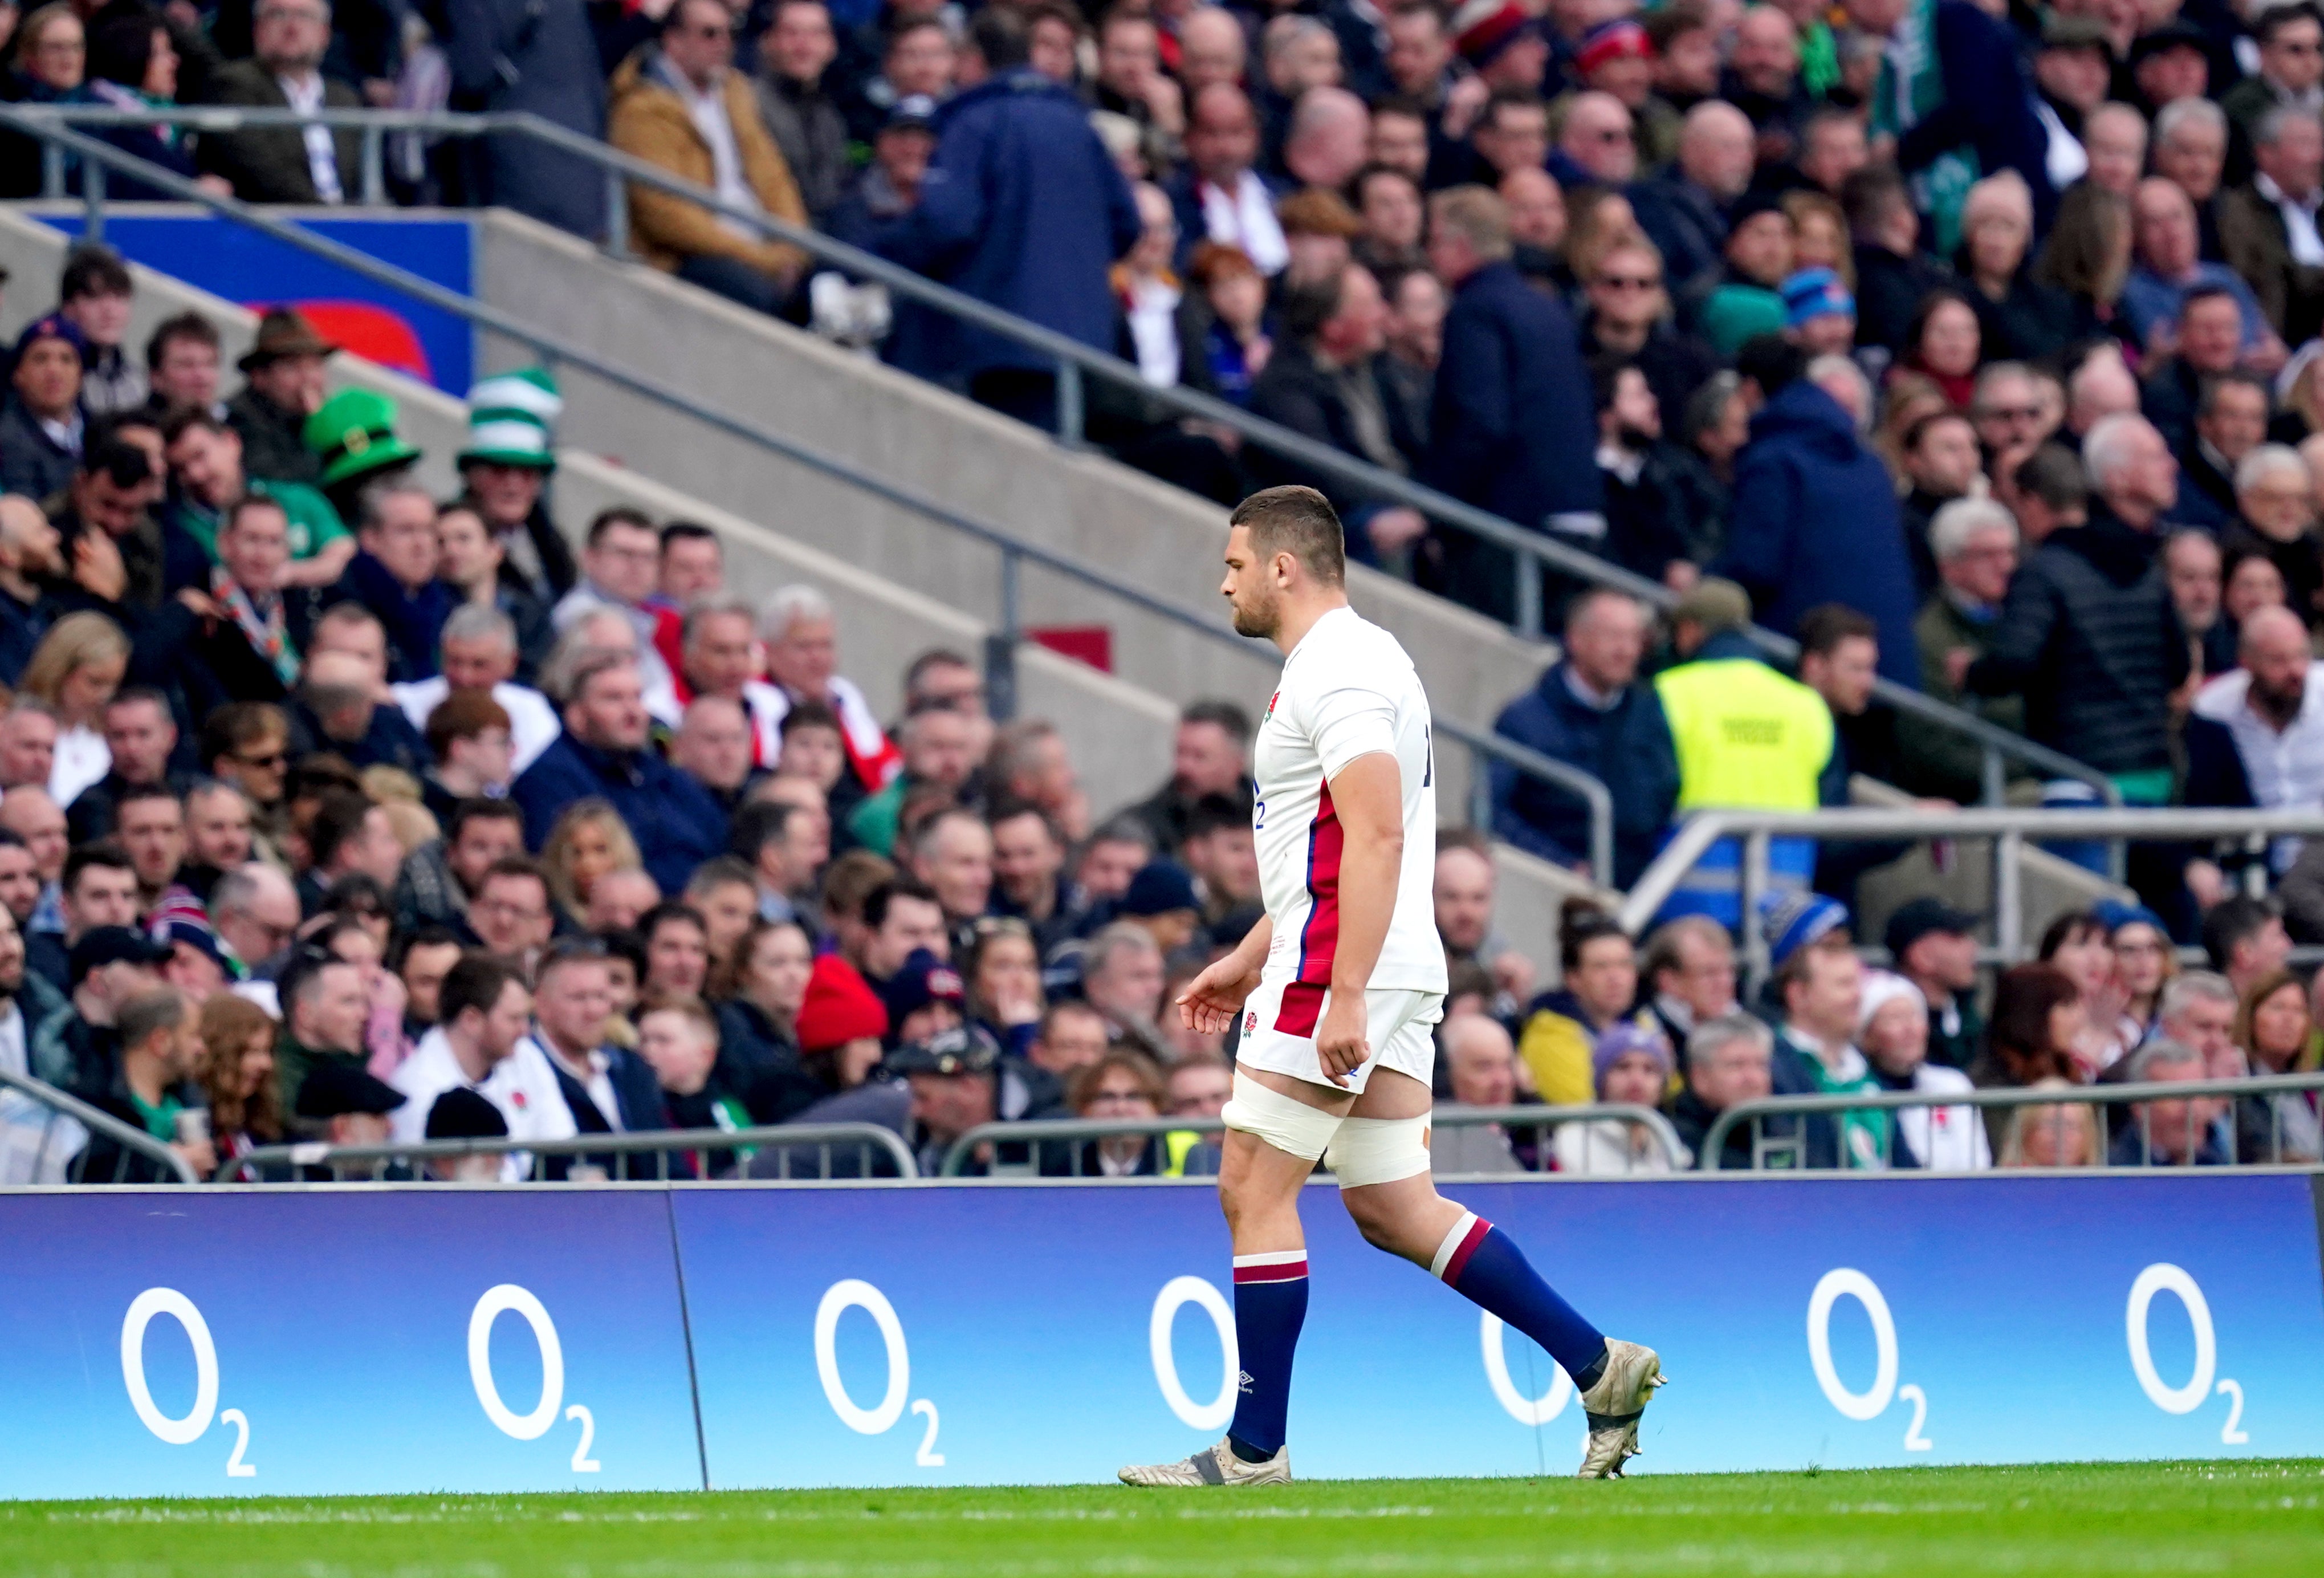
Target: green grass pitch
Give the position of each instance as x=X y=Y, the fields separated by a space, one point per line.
x=2111 y=1520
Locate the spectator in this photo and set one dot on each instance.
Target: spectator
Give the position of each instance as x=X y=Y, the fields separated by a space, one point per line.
x=76 y=669
x=1209 y=755
x=937 y=758
x=759 y=990
x=1719 y=698
x=589 y=841
x=726 y=895
x=800 y=631
x=1222 y=852
x=1688 y=968
x=1728 y=1063
x=2037 y=1023
x=1894 y=1022
x=607 y=1088
x=152 y=1090
x=1509 y=432
x=1218 y=196
x=2244 y=940
x=394 y=576
x=2191 y=151
x=1820 y=985
x=96 y=295
x=1028 y=856
x=1120 y=1087
x=2058 y=1134
x=786 y=848
x=1632 y=1063
x=336 y=709
x=140 y=737
x=310 y=164
x=2290 y=40
x=1463 y=897
x=1121 y=978
x=1684 y=213
x=1816 y=518
x=469 y=561
x=618 y=571
x=511 y=914
x=2272 y=502
x=1893 y=277
x=439 y=881
x=480 y=1045
x=1628 y=316
x=2169 y=265
x=1590 y=710
x=2267 y=229
x=507 y=57
x=1599 y=974
x=2178 y=1132
x=2276 y=1037
x=283 y=386
x=1073 y=1035
x=2017 y=316
x=1743 y=299
x=2251 y=735
x=1973 y=542
x=677 y=104
x=1481 y=1067
x=987 y=237
x=2089 y=634
x=42 y=426
x=236 y=1075
x=1002 y=982
x=796 y=104
x=255 y=910
x=605 y=752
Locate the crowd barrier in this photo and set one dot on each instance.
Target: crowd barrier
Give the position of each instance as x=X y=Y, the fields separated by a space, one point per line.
x=415 y=1339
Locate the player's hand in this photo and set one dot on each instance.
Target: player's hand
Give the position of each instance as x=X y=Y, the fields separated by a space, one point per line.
x=1212 y=999
x=1340 y=1044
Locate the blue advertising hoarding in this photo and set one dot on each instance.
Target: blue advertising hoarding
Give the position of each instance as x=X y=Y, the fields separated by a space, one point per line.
x=253 y=270
x=375 y=1340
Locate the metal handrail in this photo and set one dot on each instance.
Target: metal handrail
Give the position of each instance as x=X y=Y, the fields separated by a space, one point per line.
x=1039 y=1132
x=52 y=124
x=1012 y=548
x=97 y=1121
x=2009 y=827
x=1714 y=1141
x=789 y=1137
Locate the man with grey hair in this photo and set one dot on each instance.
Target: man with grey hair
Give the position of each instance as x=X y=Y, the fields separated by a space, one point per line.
x=2191 y=149
x=1121 y=978
x=478 y=650
x=1839 y=376
x=1974 y=541
x=2196 y=1013
x=608 y=630
x=2268 y=229
x=1480 y=1062
x=801 y=633
x=1687 y=972
x=1729 y=1061
x=2089 y=634
x=718 y=656
x=2185 y=1131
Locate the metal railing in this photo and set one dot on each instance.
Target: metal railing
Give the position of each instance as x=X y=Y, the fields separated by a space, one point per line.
x=2009 y=828
x=1076 y=363
x=1015 y=551
x=1054 y=1146
x=303 y=1162
x=127 y=1139
x=1788 y=1150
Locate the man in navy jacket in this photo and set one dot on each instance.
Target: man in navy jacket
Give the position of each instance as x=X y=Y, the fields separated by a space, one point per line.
x=1816 y=518
x=1023 y=208
x=1590 y=710
x=1513 y=428
x=604 y=752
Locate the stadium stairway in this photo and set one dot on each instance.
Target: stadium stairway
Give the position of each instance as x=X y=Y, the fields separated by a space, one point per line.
x=1119 y=731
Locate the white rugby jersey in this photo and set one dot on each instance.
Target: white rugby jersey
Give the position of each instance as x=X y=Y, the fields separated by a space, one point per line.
x=1348 y=689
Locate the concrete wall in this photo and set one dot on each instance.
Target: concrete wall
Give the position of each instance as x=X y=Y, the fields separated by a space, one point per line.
x=999 y=471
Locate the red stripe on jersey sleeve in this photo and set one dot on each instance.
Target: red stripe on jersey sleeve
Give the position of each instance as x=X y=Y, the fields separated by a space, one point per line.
x=1319 y=939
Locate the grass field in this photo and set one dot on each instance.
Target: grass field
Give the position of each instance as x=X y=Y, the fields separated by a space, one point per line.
x=2240 y=1517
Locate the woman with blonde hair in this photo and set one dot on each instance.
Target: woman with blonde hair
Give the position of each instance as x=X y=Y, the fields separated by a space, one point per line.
x=76 y=669
x=2019 y=317
x=2053 y=1134
x=589 y=840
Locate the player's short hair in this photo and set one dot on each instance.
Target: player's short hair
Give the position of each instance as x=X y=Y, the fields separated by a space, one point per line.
x=1300 y=521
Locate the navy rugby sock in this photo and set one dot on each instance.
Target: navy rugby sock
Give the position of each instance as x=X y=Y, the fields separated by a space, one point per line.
x=1271 y=1304
x=1483 y=1264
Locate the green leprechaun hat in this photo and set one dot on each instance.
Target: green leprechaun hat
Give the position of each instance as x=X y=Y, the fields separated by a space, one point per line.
x=509 y=419
x=355 y=433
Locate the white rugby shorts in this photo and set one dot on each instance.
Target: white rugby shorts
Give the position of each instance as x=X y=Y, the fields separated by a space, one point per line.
x=1279 y=1021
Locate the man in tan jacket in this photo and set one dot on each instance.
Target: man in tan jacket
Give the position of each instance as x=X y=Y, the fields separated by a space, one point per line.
x=678 y=104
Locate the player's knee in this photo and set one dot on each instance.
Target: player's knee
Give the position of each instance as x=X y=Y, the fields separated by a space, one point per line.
x=1373 y=1219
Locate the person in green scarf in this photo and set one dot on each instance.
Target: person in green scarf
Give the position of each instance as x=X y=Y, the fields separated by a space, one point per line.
x=1821 y=984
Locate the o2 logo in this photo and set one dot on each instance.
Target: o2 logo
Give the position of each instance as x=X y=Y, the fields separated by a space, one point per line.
x=509 y=1298
x=1524 y=1410
x=853 y=1293
x=1846 y=1283
x=2164 y=1278
x=191 y=1428
x=1176 y=1295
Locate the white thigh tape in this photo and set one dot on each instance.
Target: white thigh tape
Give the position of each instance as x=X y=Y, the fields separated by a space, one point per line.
x=1379 y=1150
x=1292 y=1127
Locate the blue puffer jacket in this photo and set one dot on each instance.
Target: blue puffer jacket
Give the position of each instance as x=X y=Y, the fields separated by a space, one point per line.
x=1815 y=521
x=1023 y=208
x=1626 y=747
x=677 y=823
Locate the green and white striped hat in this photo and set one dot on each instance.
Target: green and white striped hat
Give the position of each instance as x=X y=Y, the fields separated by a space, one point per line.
x=510 y=415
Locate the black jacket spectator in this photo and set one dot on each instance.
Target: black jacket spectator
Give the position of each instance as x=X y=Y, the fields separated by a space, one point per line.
x=2089 y=634
x=268 y=164
x=1626 y=746
x=1512 y=429
x=1889 y=289
x=1303 y=394
x=677 y=823
x=804 y=122
x=31 y=463
x=1686 y=224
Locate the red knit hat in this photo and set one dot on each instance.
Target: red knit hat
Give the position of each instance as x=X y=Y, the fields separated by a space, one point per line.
x=839 y=1008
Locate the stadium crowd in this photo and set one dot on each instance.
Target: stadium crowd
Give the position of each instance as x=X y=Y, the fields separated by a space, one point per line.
x=331 y=809
x=1977 y=345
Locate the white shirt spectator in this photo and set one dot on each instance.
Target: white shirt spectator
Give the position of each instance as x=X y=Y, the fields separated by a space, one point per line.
x=533 y=721
x=1245 y=217
x=2299 y=221
x=1152 y=316
x=2285 y=770
x=1945 y=1139
x=521 y=1085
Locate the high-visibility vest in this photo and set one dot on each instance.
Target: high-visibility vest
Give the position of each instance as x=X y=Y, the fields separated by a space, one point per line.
x=1748 y=739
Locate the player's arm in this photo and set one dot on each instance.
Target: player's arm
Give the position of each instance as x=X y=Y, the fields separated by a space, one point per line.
x=1212 y=999
x=1368 y=794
